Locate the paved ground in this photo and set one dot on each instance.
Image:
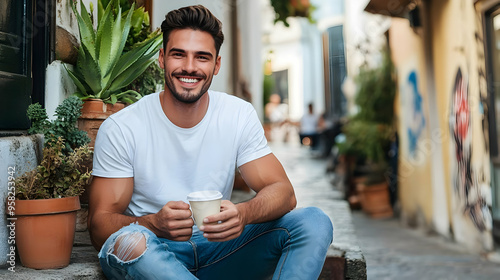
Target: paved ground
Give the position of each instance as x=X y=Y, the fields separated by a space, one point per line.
x=395 y=252
x=391 y=250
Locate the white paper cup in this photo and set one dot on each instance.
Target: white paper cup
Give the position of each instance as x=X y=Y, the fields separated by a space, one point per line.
x=204 y=204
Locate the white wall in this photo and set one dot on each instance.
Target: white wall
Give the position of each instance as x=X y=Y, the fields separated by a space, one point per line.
x=251 y=43
x=297 y=48
x=359 y=27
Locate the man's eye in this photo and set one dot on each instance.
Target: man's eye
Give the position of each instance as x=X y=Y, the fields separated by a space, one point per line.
x=203 y=57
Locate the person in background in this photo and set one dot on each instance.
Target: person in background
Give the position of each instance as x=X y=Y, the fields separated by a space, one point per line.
x=277 y=113
x=309 y=125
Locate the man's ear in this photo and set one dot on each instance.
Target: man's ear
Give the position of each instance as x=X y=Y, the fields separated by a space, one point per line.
x=217 y=65
x=161 y=59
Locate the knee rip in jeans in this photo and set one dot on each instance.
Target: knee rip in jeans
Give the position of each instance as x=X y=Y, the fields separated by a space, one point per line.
x=130 y=246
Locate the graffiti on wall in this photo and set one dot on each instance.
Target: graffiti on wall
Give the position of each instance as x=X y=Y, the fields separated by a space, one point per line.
x=415 y=119
x=467 y=179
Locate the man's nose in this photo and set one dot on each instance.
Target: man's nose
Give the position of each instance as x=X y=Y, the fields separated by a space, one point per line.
x=190 y=64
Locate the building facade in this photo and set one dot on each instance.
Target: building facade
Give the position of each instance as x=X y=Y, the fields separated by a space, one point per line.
x=446 y=56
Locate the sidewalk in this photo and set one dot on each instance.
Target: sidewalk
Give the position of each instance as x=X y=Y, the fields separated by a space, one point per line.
x=393 y=251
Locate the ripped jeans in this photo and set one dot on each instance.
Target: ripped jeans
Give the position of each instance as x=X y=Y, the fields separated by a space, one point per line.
x=292 y=247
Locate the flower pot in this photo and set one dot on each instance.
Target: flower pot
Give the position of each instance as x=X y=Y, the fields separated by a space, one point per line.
x=45 y=230
x=375 y=199
x=94 y=112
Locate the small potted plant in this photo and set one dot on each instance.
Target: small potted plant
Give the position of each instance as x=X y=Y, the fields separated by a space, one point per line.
x=292 y=8
x=368 y=136
x=46 y=198
x=46 y=204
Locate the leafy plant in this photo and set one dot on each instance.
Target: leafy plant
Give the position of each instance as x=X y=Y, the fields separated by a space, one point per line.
x=148 y=81
x=58 y=175
x=64 y=125
x=292 y=8
x=103 y=69
x=368 y=133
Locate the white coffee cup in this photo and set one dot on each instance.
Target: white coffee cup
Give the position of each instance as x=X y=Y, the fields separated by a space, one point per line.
x=204 y=204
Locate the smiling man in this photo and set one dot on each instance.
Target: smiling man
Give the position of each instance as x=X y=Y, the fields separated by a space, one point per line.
x=151 y=155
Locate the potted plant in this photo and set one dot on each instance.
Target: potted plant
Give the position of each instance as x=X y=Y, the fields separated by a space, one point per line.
x=64 y=126
x=292 y=8
x=368 y=135
x=104 y=68
x=46 y=204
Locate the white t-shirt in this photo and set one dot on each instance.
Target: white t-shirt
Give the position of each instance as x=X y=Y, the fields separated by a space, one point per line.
x=168 y=162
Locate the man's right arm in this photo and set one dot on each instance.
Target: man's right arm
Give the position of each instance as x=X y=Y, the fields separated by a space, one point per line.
x=108 y=199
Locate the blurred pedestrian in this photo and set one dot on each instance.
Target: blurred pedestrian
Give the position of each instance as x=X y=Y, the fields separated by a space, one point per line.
x=309 y=125
x=277 y=113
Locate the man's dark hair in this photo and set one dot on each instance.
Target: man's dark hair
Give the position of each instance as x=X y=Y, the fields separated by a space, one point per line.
x=194 y=17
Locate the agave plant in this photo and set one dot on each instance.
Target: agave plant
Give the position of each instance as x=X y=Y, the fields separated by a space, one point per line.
x=103 y=69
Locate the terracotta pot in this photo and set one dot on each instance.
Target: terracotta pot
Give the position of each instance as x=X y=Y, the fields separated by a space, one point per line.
x=375 y=199
x=94 y=112
x=45 y=229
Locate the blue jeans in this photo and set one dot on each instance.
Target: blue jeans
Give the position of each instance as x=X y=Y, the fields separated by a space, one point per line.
x=292 y=247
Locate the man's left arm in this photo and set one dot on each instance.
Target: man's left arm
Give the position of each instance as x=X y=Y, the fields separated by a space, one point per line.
x=275 y=197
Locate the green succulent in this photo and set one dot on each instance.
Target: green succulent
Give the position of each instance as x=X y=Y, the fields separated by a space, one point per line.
x=103 y=69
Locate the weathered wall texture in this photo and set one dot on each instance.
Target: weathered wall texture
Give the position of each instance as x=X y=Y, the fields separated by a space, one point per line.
x=442 y=123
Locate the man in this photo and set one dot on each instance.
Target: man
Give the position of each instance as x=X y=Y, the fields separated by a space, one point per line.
x=150 y=155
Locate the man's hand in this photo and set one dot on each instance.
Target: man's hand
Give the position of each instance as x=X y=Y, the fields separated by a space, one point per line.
x=227 y=225
x=173 y=221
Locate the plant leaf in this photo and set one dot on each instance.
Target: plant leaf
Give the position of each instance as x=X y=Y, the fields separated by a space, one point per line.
x=130 y=74
x=113 y=99
x=77 y=82
x=89 y=70
x=87 y=33
x=130 y=59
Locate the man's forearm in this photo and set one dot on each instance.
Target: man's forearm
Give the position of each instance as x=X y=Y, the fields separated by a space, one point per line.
x=271 y=203
x=102 y=225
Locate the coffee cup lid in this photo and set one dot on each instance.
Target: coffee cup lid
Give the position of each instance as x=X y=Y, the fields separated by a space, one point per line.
x=204 y=195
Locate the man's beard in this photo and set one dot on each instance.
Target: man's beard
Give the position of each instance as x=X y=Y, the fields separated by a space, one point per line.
x=188 y=96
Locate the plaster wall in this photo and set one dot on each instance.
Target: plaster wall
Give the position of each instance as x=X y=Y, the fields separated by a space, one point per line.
x=444 y=178
x=458 y=47
x=414 y=180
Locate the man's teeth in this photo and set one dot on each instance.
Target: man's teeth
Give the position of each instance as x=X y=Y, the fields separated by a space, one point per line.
x=186 y=80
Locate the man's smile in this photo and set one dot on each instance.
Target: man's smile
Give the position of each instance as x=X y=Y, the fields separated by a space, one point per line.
x=189 y=80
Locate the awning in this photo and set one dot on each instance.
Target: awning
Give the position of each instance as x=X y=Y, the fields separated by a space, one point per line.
x=393 y=8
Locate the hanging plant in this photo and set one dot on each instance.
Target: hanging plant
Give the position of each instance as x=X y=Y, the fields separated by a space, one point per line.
x=292 y=8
